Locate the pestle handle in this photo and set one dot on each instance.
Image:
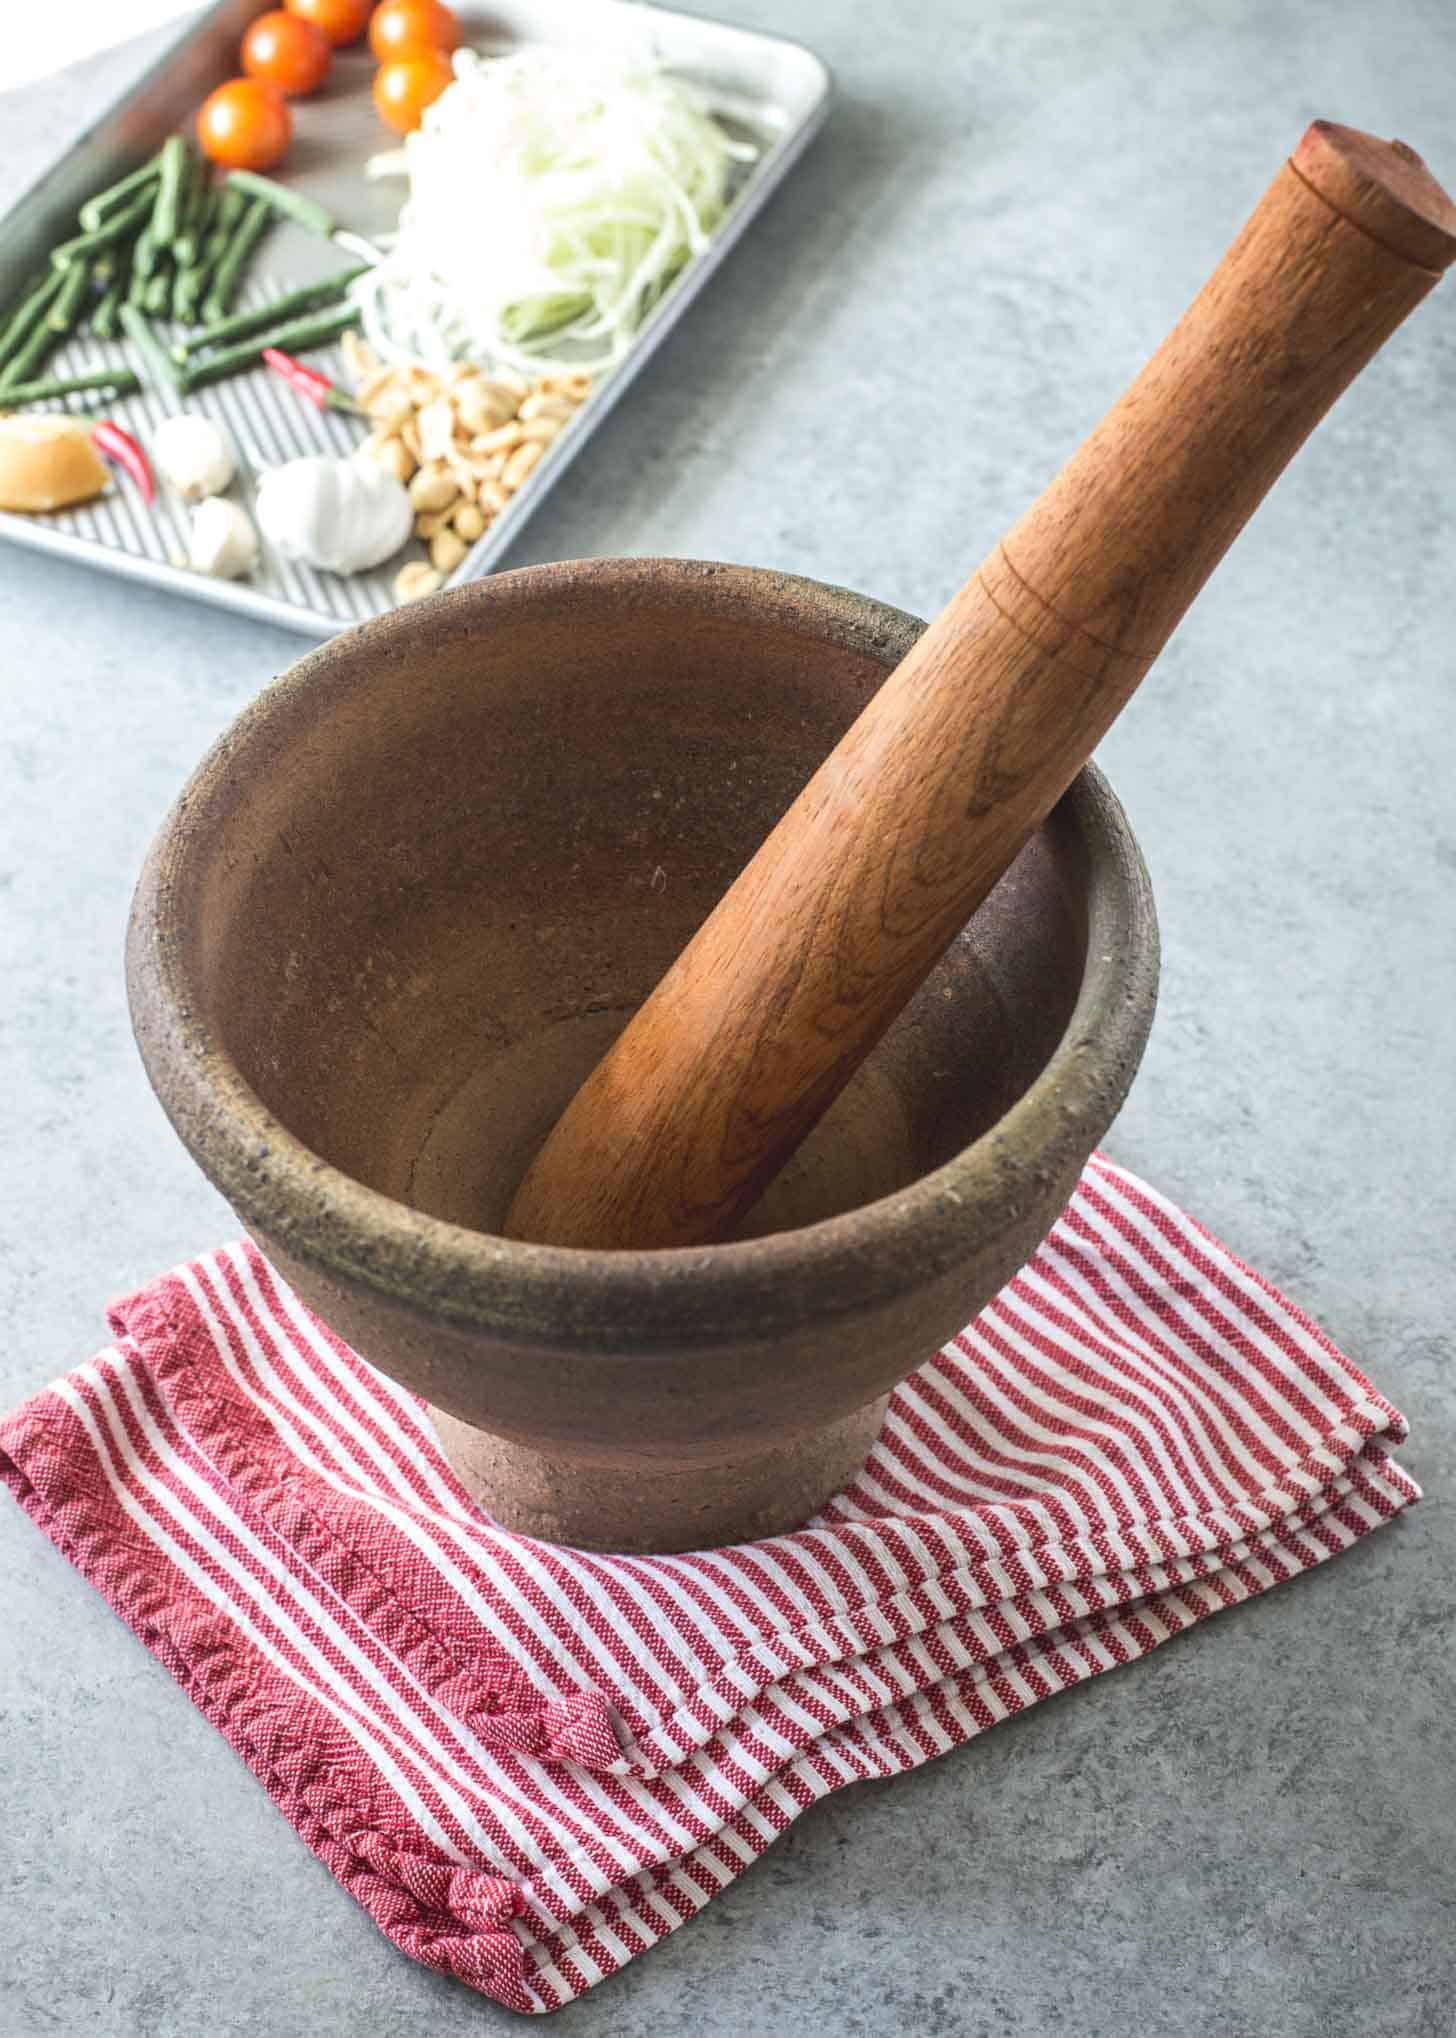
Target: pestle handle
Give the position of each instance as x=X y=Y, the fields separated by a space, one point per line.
x=970 y=742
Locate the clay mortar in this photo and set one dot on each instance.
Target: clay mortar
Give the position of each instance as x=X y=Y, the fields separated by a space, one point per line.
x=407 y=901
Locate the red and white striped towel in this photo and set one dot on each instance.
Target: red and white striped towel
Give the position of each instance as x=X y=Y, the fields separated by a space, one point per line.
x=529 y=1763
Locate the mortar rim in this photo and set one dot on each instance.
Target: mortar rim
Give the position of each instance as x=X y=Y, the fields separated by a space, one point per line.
x=671 y=1298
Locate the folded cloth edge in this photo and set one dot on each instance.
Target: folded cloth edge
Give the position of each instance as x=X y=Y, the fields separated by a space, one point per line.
x=409 y=1895
x=479 y=1928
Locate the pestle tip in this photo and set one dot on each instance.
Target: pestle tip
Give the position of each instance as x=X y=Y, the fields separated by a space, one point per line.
x=1381 y=187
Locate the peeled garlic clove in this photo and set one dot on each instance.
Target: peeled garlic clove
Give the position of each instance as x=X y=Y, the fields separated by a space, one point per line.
x=223 y=541
x=195 y=455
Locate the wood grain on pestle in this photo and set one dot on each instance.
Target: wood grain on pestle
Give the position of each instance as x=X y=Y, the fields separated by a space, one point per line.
x=907 y=825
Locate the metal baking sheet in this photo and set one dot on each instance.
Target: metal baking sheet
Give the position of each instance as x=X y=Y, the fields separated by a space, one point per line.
x=763 y=88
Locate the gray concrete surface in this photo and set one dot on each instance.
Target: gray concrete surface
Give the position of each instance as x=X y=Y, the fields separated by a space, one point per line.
x=1250 y=1833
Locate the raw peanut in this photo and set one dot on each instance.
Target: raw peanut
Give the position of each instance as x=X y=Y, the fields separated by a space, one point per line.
x=391 y=410
x=434 y=487
x=437 y=429
x=446 y=551
x=428 y=522
x=504 y=395
x=500 y=440
x=492 y=497
x=468 y=523
x=465 y=476
x=414 y=579
x=521 y=463
x=479 y=410
x=390 y=453
x=410 y=435
x=541 y=431
x=543 y=404
x=359 y=357
x=577 y=386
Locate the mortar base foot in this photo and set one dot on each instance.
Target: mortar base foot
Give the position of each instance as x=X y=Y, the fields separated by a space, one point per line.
x=644 y=1504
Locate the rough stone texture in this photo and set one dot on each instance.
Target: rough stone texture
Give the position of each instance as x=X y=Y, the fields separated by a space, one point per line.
x=1249 y=1833
x=470 y=996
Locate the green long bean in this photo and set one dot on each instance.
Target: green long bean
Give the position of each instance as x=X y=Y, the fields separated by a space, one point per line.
x=85 y=247
x=187 y=293
x=226 y=330
x=239 y=252
x=146 y=254
x=112 y=274
x=161 y=369
x=68 y=300
x=121 y=380
x=35 y=350
x=106 y=318
x=230 y=209
x=304 y=212
x=201 y=211
x=182 y=300
x=95 y=210
x=294 y=338
x=32 y=307
x=171 y=191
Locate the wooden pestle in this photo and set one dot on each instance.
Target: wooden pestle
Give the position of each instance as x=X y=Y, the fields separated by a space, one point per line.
x=967 y=746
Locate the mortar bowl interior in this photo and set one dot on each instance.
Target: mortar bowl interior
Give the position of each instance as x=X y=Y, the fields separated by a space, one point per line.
x=411 y=897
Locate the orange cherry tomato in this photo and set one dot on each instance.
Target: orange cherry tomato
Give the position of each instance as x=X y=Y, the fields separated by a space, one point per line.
x=403 y=89
x=286 y=51
x=244 y=125
x=342 y=21
x=401 y=28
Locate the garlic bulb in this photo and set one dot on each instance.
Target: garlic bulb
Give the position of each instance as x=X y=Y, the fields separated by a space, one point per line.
x=195 y=455
x=224 y=542
x=342 y=515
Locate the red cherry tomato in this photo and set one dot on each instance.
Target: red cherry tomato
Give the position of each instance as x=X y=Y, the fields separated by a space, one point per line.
x=401 y=28
x=244 y=125
x=402 y=90
x=286 y=51
x=342 y=21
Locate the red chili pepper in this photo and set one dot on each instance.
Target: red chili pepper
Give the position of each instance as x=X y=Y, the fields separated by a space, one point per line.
x=309 y=382
x=121 y=447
